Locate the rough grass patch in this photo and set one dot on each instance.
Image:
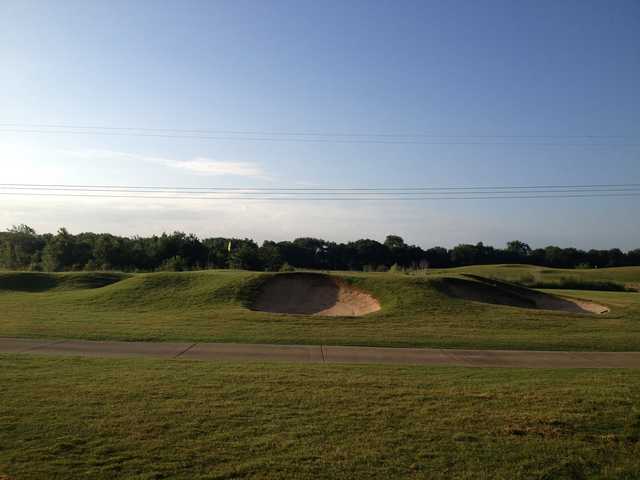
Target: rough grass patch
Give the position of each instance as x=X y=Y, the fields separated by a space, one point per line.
x=571 y=283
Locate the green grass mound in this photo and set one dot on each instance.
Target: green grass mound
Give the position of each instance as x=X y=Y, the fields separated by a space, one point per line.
x=42 y=282
x=216 y=306
x=598 y=279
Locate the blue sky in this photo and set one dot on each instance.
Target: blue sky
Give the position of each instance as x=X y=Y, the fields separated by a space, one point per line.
x=556 y=68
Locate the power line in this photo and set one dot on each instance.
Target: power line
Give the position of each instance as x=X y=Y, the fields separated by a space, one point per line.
x=387 y=198
x=325 y=140
x=314 y=192
x=324 y=193
x=340 y=189
x=296 y=133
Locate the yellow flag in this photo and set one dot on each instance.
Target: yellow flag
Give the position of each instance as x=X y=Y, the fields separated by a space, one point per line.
x=229 y=246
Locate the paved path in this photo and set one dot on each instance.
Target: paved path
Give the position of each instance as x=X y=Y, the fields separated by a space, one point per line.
x=324 y=354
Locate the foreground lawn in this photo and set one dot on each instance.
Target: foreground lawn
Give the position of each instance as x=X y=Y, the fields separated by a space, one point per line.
x=66 y=418
x=212 y=306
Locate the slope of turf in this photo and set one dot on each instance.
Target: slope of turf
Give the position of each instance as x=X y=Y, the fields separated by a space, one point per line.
x=213 y=306
x=624 y=275
x=43 y=282
x=150 y=419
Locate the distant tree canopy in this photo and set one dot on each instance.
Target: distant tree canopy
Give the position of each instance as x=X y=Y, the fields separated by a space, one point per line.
x=21 y=248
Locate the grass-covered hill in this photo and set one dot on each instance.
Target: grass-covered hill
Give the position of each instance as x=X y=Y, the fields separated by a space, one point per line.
x=584 y=279
x=214 y=306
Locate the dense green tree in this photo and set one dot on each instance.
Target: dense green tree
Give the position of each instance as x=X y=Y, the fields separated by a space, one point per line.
x=518 y=250
x=245 y=257
x=616 y=258
x=22 y=248
x=108 y=251
x=58 y=253
x=371 y=254
x=217 y=252
x=438 y=257
x=394 y=242
x=633 y=257
x=270 y=257
x=401 y=253
x=464 y=254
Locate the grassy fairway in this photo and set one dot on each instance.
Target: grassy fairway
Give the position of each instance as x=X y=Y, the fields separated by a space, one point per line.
x=103 y=419
x=211 y=306
x=625 y=275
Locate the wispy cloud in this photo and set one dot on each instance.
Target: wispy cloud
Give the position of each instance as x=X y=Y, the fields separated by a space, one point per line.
x=206 y=166
x=198 y=165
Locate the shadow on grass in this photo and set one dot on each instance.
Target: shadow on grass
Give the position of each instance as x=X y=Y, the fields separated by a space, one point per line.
x=42 y=282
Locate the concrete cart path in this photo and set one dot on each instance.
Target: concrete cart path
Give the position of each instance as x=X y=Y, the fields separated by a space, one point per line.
x=323 y=354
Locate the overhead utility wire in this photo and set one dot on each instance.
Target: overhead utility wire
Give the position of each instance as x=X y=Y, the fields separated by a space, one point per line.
x=242 y=191
x=298 y=133
x=336 y=189
x=388 y=198
x=321 y=140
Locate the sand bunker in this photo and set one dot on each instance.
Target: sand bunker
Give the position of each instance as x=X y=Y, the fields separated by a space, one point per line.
x=487 y=290
x=313 y=294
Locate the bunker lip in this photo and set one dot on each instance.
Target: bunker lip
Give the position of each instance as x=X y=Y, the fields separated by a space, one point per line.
x=486 y=290
x=313 y=294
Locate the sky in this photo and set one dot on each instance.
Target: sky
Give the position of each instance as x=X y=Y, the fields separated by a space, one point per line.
x=458 y=70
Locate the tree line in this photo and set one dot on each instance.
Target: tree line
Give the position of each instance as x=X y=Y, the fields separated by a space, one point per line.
x=21 y=248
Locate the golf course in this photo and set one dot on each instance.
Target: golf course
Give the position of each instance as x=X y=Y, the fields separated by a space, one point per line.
x=72 y=418
x=319 y=240
x=468 y=307
x=180 y=417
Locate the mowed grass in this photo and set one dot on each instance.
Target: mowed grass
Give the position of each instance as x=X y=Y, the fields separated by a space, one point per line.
x=212 y=306
x=73 y=418
x=512 y=272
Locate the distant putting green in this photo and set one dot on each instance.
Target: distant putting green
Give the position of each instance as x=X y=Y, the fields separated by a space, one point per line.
x=151 y=419
x=214 y=306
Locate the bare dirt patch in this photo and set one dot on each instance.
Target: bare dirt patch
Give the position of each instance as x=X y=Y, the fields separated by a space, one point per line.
x=486 y=290
x=313 y=294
